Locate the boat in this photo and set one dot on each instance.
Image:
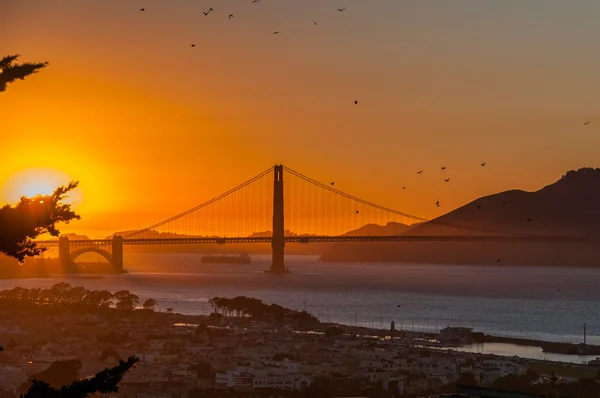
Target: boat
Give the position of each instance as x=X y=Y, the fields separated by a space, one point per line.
x=242 y=258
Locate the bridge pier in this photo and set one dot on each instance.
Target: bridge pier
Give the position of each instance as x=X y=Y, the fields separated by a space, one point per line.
x=117 y=253
x=64 y=255
x=278 y=241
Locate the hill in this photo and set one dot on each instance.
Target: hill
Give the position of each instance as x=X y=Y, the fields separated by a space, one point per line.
x=568 y=207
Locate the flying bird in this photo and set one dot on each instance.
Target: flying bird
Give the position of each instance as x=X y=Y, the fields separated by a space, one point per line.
x=504 y=202
x=443 y=167
x=255 y=1
x=142 y=9
x=479 y=207
x=275 y=33
x=419 y=172
x=399 y=305
x=529 y=219
x=483 y=164
x=403 y=187
x=586 y=123
x=355 y=102
x=446 y=179
x=210 y=10
x=332 y=183
x=205 y=13
x=498 y=260
x=357 y=211
x=231 y=16
x=341 y=9
x=193 y=45
x=314 y=22
x=437 y=203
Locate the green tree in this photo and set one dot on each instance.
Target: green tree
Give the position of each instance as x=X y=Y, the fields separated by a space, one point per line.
x=11 y=71
x=31 y=217
x=149 y=304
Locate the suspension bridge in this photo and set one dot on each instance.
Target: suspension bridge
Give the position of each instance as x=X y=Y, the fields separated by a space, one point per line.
x=265 y=210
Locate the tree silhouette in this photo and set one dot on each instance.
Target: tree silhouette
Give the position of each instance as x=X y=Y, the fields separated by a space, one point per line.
x=149 y=304
x=11 y=71
x=103 y=382
x=31 y=217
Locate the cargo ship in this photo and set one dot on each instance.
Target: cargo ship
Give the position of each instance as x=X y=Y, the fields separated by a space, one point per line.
x=242 y=258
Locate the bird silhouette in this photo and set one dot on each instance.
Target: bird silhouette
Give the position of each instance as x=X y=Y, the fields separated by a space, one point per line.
x=586 y=123
x=355 y=102
x=498 y=260
x=437 y=203
x=255 y=1
x=357 y=212
x=403 y=187
x=142 y=9
x=529 y=219
x=399 y=305
x=314 y=22
x=504 y=202
x=275 y=33
x=332 y=183
x=193 y=45
x=443 y=167
x=479 y=207
x=446 y=179
x=341 y=9
x=231 y=16
x=419 y=172
x=205 y=13
x=483 y=164
x=210 y=10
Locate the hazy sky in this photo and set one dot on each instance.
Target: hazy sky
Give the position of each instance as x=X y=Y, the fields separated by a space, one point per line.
x=152 y=126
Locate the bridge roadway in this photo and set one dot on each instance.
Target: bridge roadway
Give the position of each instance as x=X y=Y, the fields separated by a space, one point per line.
x=330 y=239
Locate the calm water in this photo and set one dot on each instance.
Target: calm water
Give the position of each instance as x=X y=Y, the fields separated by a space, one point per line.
x=533 y=302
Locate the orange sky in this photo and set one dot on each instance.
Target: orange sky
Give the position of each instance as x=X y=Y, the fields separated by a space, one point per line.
x=151 y=126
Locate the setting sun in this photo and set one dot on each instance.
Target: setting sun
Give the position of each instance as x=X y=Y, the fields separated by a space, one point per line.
x=34 y=182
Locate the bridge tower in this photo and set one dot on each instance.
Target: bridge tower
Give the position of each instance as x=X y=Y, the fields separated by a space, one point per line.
x=278 y=240
x=117 y=253
x=64 y=254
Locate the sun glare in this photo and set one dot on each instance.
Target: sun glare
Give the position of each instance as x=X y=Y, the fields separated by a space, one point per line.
x=35 y=182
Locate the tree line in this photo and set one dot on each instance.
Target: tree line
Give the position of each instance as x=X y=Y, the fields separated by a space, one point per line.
x=64 y=294
x=242 y=306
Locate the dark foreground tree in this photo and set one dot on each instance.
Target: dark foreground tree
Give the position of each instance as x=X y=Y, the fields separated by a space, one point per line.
x=103 y=382
x=11 y=71
x=31 y=217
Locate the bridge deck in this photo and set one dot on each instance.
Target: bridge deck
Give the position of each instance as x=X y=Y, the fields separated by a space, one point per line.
x=329 y=239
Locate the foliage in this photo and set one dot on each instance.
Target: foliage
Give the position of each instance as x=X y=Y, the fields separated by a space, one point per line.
x=280 y=356
x=126 y=301
x=60 y=373
x=61 y=294
x=11 y=71
x=31 y=217
x=103 y=382
x=334 y=331
x=110 y=352
x=254 y=308
x=203 y=369
x=149 y=304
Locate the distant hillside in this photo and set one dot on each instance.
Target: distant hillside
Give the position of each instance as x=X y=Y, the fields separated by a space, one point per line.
x=392 y=228
x=568 y=207
x=74 y=237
